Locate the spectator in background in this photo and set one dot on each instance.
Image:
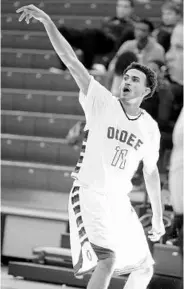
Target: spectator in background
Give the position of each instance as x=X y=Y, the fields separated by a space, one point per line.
x=174 y=59
x=171 y=15
x=160 y=106
x=144 y=45
x=122 y=25
x=180 y=2
x=175 y=70
x=114 y=79
x=106 y=39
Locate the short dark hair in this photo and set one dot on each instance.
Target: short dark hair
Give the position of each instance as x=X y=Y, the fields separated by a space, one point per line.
x=147 y=22
x=151 y=77
x=169 y=5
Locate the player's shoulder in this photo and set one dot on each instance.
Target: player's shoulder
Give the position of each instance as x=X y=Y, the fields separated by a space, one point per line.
x=151 y=122
x=99 y=87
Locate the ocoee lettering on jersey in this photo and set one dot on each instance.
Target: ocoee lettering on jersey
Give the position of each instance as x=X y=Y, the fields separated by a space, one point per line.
x=124 y=137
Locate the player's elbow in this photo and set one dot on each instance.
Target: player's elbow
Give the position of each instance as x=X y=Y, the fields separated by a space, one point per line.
x=80 y=74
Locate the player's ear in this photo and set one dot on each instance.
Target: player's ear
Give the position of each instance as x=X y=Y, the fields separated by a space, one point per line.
x=147 y=91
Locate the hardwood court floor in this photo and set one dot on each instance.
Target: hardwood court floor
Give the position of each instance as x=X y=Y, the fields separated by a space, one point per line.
x=9 y=282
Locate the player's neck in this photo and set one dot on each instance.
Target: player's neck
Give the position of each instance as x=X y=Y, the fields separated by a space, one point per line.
x=131 y=108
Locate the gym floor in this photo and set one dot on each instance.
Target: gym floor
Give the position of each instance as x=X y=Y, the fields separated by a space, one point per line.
x=10 y=282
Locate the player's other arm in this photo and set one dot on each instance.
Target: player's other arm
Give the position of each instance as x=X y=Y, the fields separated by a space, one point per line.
x=152 y=182
x=60 y=44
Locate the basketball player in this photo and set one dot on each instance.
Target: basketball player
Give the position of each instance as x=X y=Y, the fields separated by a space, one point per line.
x=105 y=232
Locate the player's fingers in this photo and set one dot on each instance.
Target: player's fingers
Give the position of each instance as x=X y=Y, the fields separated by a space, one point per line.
x=28 y=17
x=154 y=239
x=22 y=16
x=21 y=9
x=33 y=7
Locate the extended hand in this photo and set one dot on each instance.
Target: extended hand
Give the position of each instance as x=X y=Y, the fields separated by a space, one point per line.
x=31 y=11
x=157 y=231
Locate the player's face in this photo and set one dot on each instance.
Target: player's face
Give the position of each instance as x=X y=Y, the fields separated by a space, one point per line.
x=133 y=85
x=174 y=57
x=123 y=9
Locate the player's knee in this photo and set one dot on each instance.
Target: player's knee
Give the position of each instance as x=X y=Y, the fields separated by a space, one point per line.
x=108 y=264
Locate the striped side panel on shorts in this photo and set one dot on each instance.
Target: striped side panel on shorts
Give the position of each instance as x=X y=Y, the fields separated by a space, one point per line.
x=82 y=153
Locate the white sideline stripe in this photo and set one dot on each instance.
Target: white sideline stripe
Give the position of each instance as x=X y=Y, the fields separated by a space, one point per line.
x=36 y=166
x=53 y=250
x=7 y=136
x=34 y=213
x=39 y=92
x=42 y=114
x=44 y=71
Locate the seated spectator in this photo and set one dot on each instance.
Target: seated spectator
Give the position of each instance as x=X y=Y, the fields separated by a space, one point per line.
x=144 y=45
x=114 y=79
x=122 y=25
x=106 y=39
x=171 y=15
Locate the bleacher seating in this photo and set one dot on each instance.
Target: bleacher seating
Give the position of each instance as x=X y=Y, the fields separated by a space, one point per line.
x=38 y=149
x=84 y=8
x=25 y=198
x=10 y=21
x=25 y=40
x=37 y=124
x=38 y=79
x=65 y=7
x=62 y=102
x=28 y=58
x=36 y=176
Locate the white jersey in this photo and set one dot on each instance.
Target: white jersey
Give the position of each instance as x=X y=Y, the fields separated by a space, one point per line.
x=113 y=144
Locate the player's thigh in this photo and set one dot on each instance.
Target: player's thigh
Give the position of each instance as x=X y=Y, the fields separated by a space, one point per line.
x=107 y=265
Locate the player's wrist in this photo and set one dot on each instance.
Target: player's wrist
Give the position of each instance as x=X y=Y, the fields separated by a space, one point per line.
x=157 y=218
x=46 y=19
